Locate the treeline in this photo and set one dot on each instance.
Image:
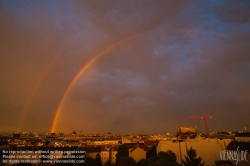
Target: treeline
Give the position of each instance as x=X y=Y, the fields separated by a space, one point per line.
x=153 y=158
x=167 y=158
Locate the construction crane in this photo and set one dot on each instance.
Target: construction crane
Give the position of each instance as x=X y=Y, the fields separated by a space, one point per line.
x=204 y=117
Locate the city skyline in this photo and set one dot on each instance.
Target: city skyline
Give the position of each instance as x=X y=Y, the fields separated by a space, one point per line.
x=124 y=66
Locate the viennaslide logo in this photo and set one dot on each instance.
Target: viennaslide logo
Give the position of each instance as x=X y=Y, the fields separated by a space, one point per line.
x=234 y=155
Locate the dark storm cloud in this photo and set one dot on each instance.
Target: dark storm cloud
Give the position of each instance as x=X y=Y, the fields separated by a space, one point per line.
x=168 y=60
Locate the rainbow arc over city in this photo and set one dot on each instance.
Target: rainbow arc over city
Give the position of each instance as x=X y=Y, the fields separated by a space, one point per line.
x=84 y=68
x=79 y=73
x=89 y=63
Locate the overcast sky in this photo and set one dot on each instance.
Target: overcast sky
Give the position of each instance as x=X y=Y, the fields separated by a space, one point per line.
x=155 y=62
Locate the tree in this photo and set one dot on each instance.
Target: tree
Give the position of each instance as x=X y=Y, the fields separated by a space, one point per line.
x=151 y=152
x=168 y=156
x=147 y=162
x=108 y=163
x=151 y=158
x=122 y=151
x=192 y=159
x=141 y=162
x=166 y=159
x=89 y=161
x=126 y=161
x=98 y=160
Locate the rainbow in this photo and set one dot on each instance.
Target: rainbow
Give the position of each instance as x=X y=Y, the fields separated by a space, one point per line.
x=37 y=87
x=89 y=63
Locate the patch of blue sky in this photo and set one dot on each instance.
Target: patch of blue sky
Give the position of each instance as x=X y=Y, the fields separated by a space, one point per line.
x=61 y=11
x=26 y=10
x=69 y=14
x=49 y=6
x=218 y=3
x=205 y=16
x=182 y=53
x=184 y=57
x=18 y=8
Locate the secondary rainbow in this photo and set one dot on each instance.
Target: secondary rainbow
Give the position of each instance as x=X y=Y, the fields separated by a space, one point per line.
x=37 y=87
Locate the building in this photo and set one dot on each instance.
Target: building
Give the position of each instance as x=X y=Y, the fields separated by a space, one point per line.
x=150 y=143
x=137 y=153
x=108 y=153
x=242 y=137
x=92 y=151
x=240 y=147
x=106 y=141
x=207 y=149
x=186 y=129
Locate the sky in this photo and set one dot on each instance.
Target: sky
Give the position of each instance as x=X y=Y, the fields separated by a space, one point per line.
x=124 y=67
